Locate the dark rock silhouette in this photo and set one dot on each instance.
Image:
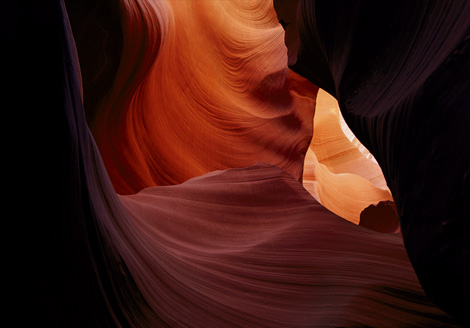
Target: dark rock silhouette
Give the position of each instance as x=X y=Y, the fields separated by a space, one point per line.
x=400 y=72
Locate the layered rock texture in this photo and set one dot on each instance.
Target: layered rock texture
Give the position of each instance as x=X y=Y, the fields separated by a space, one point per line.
x=242 y=163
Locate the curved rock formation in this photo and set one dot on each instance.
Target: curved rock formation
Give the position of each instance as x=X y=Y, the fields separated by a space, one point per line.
x=246 y=246
x=400 y=74
x=251 y=248
x=200 y=86
x=171 y=115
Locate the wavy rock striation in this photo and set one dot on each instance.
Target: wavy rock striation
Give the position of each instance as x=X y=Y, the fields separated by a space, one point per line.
x=246 y=246
x=250 y=247
x=171 y=115
x=200 y=87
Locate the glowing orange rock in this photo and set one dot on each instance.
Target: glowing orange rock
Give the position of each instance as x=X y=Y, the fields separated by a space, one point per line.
x=205 y=86
x=337 y=173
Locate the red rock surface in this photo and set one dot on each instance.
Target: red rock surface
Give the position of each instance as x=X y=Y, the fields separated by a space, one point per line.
x=226 y=243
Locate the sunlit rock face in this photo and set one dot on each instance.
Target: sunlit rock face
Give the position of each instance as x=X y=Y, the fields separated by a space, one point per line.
x=201 y=86
x=337 y=173
x=223 y=102
x=183 y=193
x=400 y=74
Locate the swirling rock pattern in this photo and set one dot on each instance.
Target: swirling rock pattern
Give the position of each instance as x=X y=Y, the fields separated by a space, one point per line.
x=174 y=114
x=246 y=246
x=265 y=253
